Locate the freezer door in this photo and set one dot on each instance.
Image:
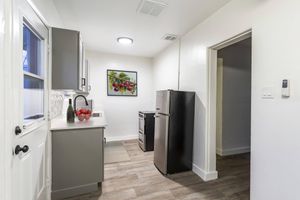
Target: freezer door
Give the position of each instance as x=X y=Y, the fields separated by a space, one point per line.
x=163 y=102
x=161 y=142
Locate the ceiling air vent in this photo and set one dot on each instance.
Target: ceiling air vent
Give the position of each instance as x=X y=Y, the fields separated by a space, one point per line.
x=151 y=7
x=170 y=37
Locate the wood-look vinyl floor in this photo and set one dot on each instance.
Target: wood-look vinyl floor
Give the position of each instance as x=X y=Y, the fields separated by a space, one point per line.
x=115 y=152
x=138 y=179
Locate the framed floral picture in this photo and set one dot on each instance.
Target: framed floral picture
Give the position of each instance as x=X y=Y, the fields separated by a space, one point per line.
x=121 y=83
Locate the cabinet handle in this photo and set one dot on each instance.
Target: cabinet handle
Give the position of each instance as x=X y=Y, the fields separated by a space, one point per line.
x=83 y=81
x=18 y=149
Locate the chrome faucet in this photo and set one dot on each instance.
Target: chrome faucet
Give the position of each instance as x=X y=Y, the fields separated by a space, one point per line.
x=75 y=99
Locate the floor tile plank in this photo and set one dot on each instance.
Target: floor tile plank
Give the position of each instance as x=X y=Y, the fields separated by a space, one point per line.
x=138 y=179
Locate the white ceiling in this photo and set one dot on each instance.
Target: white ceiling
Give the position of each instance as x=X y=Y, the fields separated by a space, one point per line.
x=102 y=21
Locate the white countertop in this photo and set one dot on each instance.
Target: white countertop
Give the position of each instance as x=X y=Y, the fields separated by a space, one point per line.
x=60 y=123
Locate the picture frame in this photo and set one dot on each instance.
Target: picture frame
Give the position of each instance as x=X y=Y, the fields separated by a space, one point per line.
x=122 y=83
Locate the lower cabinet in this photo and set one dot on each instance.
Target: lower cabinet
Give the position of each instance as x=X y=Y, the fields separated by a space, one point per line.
x=77 y=162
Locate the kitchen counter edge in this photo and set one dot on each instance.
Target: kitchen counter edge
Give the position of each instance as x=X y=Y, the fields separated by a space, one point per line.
x=60 y=123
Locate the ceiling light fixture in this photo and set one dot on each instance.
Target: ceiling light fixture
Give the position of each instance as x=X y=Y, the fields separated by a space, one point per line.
x=125 y=40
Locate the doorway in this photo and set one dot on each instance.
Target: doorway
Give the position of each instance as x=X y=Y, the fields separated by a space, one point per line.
x=234 y=99
x=233 y=113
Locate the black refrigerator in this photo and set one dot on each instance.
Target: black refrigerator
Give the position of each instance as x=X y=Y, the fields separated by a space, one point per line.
x=174 y=130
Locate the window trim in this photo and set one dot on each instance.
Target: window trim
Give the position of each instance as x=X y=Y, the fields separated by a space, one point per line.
x=32 y=29
x=36 y=123
x=42 y=40
x=33 y=75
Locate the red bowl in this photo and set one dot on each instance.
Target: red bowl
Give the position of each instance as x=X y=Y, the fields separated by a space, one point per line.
x=81 y=117
x=87 y=116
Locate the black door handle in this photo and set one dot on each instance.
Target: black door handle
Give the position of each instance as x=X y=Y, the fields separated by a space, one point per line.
x=18 y=130
x=18 y=149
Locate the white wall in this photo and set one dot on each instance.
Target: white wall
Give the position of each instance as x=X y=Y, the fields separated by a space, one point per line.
x=48 y=10
x=236 y=98
x=165 y=68
x=234 y=18
x=121 y=112
x=275 y=123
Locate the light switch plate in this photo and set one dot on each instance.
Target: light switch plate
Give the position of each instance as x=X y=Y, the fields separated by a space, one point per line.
x=268 y=93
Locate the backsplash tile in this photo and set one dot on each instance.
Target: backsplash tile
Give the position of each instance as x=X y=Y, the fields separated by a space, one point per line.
x=56 y=103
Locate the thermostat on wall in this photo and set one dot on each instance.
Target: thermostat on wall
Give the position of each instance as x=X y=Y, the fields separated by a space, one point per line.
x=285 y=89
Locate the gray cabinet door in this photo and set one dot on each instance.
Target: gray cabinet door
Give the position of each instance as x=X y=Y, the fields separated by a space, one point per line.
x=66 y=59
x=77 y=158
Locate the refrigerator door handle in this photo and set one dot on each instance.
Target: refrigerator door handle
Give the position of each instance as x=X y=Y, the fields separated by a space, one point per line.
x=168 y=115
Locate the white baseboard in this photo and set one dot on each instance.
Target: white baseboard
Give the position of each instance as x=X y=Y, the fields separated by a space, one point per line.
x=233 y=151
x=121 y=138
x=204 y=175
x=219 y=151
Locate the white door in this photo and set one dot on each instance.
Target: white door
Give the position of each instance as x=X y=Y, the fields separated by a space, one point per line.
x=29 y=100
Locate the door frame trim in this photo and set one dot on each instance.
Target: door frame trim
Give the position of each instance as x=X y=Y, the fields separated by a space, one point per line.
x=219 y=101
x=5 y=139
x=210 y=161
